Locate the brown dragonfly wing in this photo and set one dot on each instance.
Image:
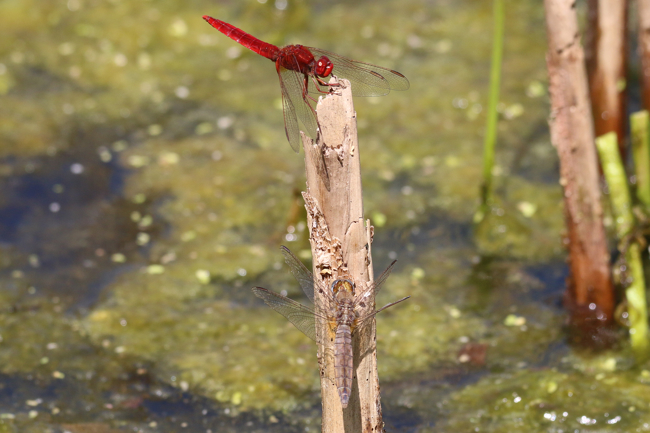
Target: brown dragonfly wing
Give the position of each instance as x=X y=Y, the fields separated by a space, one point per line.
x=363 y=321
x=301 y=316
x=367 y=79
x=362 y=305
x=300 y=272
x=375 y=287
x=306 y=280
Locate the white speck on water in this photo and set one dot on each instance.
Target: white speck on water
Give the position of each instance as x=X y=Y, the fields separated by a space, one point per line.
x=225 y=122
x=233 y=52
x=120 y=59
x=55 y=207
x=585 y=420
x=241 y=272
x=77 y=168
x=414 y=41
x=182 y=92
x=178 y=28
x=550 y=416
x=614 y=420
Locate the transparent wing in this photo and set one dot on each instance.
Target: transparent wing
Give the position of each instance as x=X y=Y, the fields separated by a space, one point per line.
x=293 y=103
x=300 y=272
x=304 y=277
x=374 y=288
x=366 y=79
x=292 y=84
x=290 y=120
x=302 y=317
x=361 y=322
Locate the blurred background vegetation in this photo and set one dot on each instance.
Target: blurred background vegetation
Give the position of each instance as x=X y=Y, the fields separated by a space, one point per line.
x=147 y=184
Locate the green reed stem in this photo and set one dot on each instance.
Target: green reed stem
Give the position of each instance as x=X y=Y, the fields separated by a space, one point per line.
x=619 y=195
x=492 y=115
x=640 y=132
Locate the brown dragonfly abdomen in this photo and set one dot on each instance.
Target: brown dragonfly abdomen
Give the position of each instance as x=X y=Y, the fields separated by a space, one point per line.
x=343 y=365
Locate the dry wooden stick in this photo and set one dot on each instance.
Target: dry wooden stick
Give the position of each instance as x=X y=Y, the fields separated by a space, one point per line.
x=572 y=134
x=340 y=243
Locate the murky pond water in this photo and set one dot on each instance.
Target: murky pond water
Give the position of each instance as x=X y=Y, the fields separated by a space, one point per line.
x=147 y=185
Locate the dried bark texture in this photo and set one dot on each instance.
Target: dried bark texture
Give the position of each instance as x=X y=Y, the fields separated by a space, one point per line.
x=340 y=243
x=572 y=135
x=644 y=49
x=606 y=53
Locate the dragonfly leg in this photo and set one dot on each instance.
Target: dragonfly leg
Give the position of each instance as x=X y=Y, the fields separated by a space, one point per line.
x=324 y=83
x=318 y=81
x=305 y=92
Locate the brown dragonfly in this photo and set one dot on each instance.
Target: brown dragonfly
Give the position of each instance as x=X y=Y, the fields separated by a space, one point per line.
x=344 y=310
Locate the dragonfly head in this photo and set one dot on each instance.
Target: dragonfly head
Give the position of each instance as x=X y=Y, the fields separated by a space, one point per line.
x=339 y=286
x=323 y=67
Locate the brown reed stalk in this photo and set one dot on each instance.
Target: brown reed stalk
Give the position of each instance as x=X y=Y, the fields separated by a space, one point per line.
x=340 y=243
x=606 y=56
x=572 y=134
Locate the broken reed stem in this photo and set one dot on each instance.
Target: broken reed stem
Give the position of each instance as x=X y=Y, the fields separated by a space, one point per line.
x=619 y=196
x=340 y=243
x=640 y=135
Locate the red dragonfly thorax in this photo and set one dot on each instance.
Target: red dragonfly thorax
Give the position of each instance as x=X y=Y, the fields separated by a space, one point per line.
x=296 y=58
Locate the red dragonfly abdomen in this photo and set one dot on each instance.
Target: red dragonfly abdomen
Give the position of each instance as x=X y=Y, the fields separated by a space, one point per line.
x=249 y=41
x=343 y=365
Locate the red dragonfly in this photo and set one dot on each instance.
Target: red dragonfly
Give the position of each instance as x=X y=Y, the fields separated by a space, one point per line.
x=301 y=71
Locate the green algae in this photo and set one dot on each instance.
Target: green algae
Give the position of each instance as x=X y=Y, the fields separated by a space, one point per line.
x=196 y=122
x=550 y=401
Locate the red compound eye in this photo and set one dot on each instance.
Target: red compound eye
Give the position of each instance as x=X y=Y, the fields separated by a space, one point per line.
x=324 y=67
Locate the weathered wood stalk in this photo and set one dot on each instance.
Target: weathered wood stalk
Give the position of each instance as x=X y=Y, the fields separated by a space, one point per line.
x=340 y=243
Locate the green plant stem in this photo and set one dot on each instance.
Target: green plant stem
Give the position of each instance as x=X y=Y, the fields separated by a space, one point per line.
x=640 y=132
x=622 y=209
x=492 y=115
